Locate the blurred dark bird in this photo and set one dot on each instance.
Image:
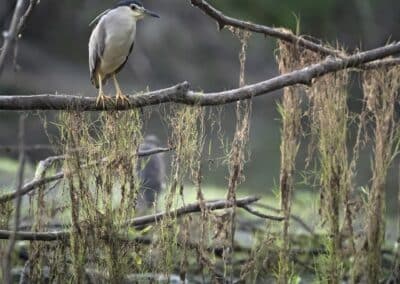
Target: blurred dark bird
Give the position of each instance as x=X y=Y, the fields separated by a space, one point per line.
x=151 y=171
x=111 y=43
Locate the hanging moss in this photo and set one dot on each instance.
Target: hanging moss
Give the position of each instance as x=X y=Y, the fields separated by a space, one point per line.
x=381 y=91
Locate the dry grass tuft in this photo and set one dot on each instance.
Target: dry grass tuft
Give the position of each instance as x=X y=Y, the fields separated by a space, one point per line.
x=237 y=153
x=289 y=58
x=329 y=116
x=100 y=166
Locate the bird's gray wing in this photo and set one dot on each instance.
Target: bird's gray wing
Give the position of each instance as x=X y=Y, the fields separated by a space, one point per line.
x=96 y=50
x=126 y=59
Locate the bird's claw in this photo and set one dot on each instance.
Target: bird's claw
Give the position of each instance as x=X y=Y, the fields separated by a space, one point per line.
x=121 y=97
x=102 y=98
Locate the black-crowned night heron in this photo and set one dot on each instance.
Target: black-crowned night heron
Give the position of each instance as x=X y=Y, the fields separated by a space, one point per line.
x=151 y=171
x=111 y=43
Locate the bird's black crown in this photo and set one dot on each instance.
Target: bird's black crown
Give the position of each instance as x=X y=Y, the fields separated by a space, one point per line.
x=128 y=3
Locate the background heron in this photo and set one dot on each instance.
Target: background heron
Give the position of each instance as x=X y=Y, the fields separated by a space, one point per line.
x=151 y=172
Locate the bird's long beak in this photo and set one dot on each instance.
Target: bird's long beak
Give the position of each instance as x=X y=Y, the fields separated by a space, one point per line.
x=151 y=13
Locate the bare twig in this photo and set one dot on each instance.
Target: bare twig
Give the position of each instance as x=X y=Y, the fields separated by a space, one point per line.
x=262 y=215
x=137 y=222
x=292 y=216
x=17 y=25
x=278 y=33
x=281 y=34
x=10 y=36
x=181 y=93
x=18 y=201
x=154 y=151
x=28 y=12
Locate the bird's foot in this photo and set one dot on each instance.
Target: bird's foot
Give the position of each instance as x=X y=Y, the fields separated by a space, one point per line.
x=121 y=97
x=101 y=98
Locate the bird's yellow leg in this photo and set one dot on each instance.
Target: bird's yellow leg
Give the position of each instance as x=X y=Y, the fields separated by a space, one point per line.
x=119 y=95
x=101 y=97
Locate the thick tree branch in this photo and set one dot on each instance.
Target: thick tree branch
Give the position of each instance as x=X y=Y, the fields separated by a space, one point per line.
x=137 y=222
x=278 y=33
x=36 y=236
x=67 y=102
x=181 y=93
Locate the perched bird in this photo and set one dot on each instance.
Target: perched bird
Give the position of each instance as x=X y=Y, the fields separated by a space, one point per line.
x=111 y=43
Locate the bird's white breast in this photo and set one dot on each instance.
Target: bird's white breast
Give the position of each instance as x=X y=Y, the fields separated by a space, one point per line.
x=120 y=29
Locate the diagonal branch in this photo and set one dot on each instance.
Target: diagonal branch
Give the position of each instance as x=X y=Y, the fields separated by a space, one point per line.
x=10 y=36
x=17 y=25
x=28 y=13
x=137 y=222
x=262 y=215
x=28 y=187
x=281 y=34
x=292 y=216
x=278 y=33
x=181 y=94
x=191 y=208
x=42 y=167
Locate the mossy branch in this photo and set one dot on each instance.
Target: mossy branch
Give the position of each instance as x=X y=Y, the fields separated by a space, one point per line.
x=182 y=94
x=137 y=222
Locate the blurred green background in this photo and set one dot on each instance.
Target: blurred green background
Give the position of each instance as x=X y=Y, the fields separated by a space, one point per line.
x=186 y=45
